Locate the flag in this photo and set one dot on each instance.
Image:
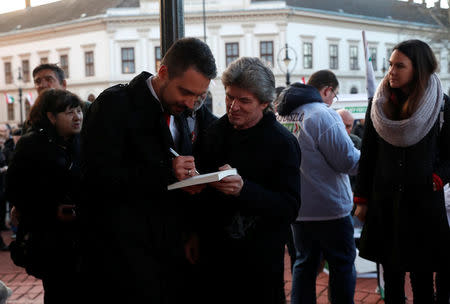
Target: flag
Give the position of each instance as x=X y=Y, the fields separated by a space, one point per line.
x=370 y=75
x=9 y=98
x=303 y=80
x=29 y=97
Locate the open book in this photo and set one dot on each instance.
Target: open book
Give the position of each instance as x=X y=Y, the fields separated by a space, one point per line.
x=202 y=179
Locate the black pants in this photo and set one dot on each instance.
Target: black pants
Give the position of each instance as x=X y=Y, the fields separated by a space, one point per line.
x=62 y=288
x=421 y=282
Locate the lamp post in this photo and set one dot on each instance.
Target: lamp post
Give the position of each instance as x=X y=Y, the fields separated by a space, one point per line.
x=288 y=62
x=20 y=82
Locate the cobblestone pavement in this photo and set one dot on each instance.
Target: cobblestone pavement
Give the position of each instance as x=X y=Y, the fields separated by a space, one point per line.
x=28 y=290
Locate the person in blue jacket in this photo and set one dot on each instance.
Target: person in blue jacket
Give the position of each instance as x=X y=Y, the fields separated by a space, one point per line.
x=324 y=225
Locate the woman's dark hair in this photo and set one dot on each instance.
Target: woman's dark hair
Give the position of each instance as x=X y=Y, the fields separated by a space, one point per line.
x=424 y=64
x=323 y=78
x=53 y=101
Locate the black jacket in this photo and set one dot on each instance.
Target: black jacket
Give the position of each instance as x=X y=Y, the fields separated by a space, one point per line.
x=132 y=225
x=267 y=157
x=43 y=174
x=406 y=224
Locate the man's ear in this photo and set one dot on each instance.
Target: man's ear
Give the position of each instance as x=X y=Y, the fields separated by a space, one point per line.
x=51 y=117
x=163 y=72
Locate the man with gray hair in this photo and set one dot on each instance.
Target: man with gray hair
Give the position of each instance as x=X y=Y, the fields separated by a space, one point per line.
x=243 y=237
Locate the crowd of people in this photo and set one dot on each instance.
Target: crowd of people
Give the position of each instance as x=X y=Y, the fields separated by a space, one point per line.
x=98 y=224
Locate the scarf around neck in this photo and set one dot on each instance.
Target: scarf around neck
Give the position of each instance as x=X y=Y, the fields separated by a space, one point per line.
x=408 y=132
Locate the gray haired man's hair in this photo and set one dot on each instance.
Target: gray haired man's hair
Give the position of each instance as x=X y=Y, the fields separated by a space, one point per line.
x=251 y=74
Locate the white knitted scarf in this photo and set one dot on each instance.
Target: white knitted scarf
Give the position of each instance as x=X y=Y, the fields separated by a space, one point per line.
x=408 y=132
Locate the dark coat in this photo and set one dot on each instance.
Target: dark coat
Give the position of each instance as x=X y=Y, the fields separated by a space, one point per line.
x=244 y=236
x=43 y=174
x=406 y=224
x=132 y=225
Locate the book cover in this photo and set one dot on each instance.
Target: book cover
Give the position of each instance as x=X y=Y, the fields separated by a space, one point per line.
x=202 y=179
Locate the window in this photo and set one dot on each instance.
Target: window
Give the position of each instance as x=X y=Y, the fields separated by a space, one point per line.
x=448 y=62
x=89 y=63
x=127 y=60
x=388 y=56
x=157 y=58
x=231 y=52
x=44 y=60
x=334 y=63
x=307 y=55
x=11 y=111
x=373 y=57
x=266 y=52
x=8 y=73
x=64 y=63
x=438 y=61
x=354 y=58
x=26 y=70
x=353 y=90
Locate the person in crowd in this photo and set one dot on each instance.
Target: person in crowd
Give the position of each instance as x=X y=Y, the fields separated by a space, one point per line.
x=347 y=119
x=4 y=138
x=245 y=217
x=91 y=97
x=404 y=164
x=358 y=128
x=323 y=227
x=197 y=121
x=140 y=227
x=48 y=157
x=51 y=76
x=48 y=76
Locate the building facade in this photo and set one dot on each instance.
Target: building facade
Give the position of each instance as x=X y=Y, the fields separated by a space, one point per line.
x=105 y=42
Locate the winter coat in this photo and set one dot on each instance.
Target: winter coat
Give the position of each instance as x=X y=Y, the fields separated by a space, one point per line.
x=44 y=173
x=328 y=154
x=132 y=226
x=248 y=232
x=406 y=225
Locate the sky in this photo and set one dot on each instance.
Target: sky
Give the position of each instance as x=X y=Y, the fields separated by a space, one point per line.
x=12 y=5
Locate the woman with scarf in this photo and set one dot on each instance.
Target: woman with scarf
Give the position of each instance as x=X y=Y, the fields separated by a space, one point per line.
x=405 y=162
x=43 y=184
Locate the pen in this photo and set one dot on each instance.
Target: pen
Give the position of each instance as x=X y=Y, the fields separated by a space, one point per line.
x=174 y=153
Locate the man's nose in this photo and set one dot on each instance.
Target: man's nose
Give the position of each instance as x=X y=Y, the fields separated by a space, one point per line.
x=234 y=105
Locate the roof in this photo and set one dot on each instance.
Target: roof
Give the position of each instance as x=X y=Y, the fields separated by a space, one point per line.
x=69 y=10
x=386 y=10
x=57 y=12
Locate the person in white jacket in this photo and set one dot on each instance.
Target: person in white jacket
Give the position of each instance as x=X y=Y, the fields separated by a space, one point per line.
x=324 y=224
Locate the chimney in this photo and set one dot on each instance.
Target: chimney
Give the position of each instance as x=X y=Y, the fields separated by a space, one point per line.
x=27 y=4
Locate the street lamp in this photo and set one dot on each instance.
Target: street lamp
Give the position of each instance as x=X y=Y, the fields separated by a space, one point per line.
x=20 y=82
x=289 y=63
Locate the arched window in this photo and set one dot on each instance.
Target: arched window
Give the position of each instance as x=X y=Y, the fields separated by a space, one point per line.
x=353 y=90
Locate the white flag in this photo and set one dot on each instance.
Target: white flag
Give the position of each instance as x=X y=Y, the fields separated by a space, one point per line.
x=370 y=76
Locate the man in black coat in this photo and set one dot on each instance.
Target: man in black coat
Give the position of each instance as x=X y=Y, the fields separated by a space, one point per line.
x=245 y=217
x=135 y=229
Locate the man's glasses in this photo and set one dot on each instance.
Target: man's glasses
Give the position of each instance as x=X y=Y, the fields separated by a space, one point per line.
x=335 y=98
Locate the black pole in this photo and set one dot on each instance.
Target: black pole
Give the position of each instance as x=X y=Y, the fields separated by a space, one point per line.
x=20 y=104
x=288 y=82
x=172 y=23
x=204 y=22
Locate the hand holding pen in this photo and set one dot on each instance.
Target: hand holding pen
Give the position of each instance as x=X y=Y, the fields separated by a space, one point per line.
x=183 y=166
